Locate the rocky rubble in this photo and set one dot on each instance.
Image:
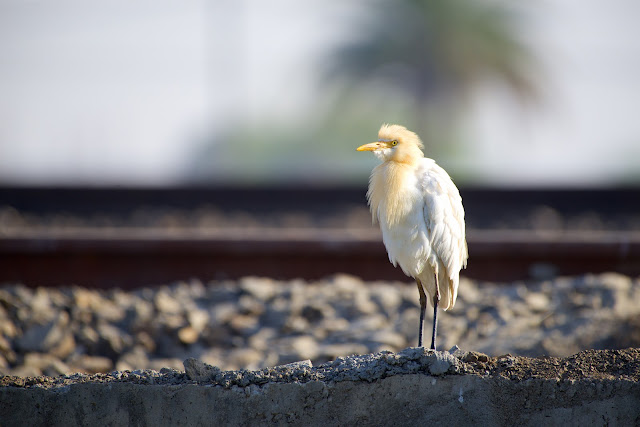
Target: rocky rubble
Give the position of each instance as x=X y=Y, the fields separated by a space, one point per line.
x=258 y=322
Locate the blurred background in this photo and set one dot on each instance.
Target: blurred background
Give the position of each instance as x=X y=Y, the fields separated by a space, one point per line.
x=179 y=178
x=217 y=92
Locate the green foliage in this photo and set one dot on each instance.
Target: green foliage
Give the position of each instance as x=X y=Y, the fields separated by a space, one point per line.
x=412 y=62
x=433 y=48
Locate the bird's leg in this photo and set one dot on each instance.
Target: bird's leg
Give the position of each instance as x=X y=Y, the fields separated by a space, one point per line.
x=436 y=299
x=423 y=308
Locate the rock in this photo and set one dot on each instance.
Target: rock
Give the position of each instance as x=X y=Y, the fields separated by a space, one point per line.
x=473 y=356
x=43 y=338
x=145 y=340
x=346 y=283
x=141 y=313
x=314 y=313
x=367 y=329
x=188 y=335
x=41 y=301
x=468 y=291
x=86 y=299
x=249 y=305
x=165 y=303
x=5 y=345
x=88 y=337
x=296 y=365
x=65 y=346
x=623 y=296
x=333 y=324
x=261 y=339
x=113 y=341
x=298 y=297
x=244 y=324
x=245 y=358
x=198 y=319
x=276 y=314
x=441 y=363
x=134 y=359
x=4 y=365
x=172 y=363
x=8 y=328
x=332 y=351
x=363 y=305
x=189 y=291
x=217 y=336
x=169 y=321
x=197 y=370
x=305 y=346
x=537 y=302
x=91 y=364
x=296 y=325
x=26 y=371
x=108 y=310
x=388 y=300
x=389 y=338
x=261 y=288
x=45 y=363
x=223 y=313
x=216 y=357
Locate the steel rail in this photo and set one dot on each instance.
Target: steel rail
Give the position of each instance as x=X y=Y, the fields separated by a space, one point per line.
x=127 y=258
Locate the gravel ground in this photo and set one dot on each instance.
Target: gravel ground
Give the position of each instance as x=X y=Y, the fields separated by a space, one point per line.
x=255 y=323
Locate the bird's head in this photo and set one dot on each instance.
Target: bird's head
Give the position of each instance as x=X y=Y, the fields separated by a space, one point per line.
x=397 y=144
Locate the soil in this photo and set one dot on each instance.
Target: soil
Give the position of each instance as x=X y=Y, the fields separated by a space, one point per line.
x=588 y=364
x=599 y=365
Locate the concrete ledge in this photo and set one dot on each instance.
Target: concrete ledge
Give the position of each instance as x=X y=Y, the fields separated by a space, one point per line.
x=400 y=390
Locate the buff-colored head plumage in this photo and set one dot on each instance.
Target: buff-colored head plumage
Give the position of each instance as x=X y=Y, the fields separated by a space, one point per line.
x=396 y=144
x=399 y=133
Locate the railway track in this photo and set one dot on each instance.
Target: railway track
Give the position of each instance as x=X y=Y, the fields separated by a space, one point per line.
x=128 y=258
x=503 y=242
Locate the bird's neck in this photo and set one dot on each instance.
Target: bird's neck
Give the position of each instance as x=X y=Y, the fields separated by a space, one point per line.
x=389 y=195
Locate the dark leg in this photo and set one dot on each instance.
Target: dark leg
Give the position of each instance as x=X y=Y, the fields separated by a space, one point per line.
x=423 y=308
x=436 y=299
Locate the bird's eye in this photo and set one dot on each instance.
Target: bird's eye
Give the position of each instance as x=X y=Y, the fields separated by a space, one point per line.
x=394 y=143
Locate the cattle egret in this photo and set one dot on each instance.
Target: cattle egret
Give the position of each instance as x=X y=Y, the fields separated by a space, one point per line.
x=420 y=213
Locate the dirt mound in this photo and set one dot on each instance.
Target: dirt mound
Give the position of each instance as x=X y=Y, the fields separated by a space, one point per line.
x=588 y=364
x=414 y=386
x=621 y=365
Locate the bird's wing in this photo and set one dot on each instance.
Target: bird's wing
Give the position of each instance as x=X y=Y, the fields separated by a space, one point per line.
x=444 y=217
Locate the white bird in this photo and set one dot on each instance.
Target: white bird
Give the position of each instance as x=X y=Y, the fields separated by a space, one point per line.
x=420 y=213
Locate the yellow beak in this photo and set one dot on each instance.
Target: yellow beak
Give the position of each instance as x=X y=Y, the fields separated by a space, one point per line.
x=371 y=146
